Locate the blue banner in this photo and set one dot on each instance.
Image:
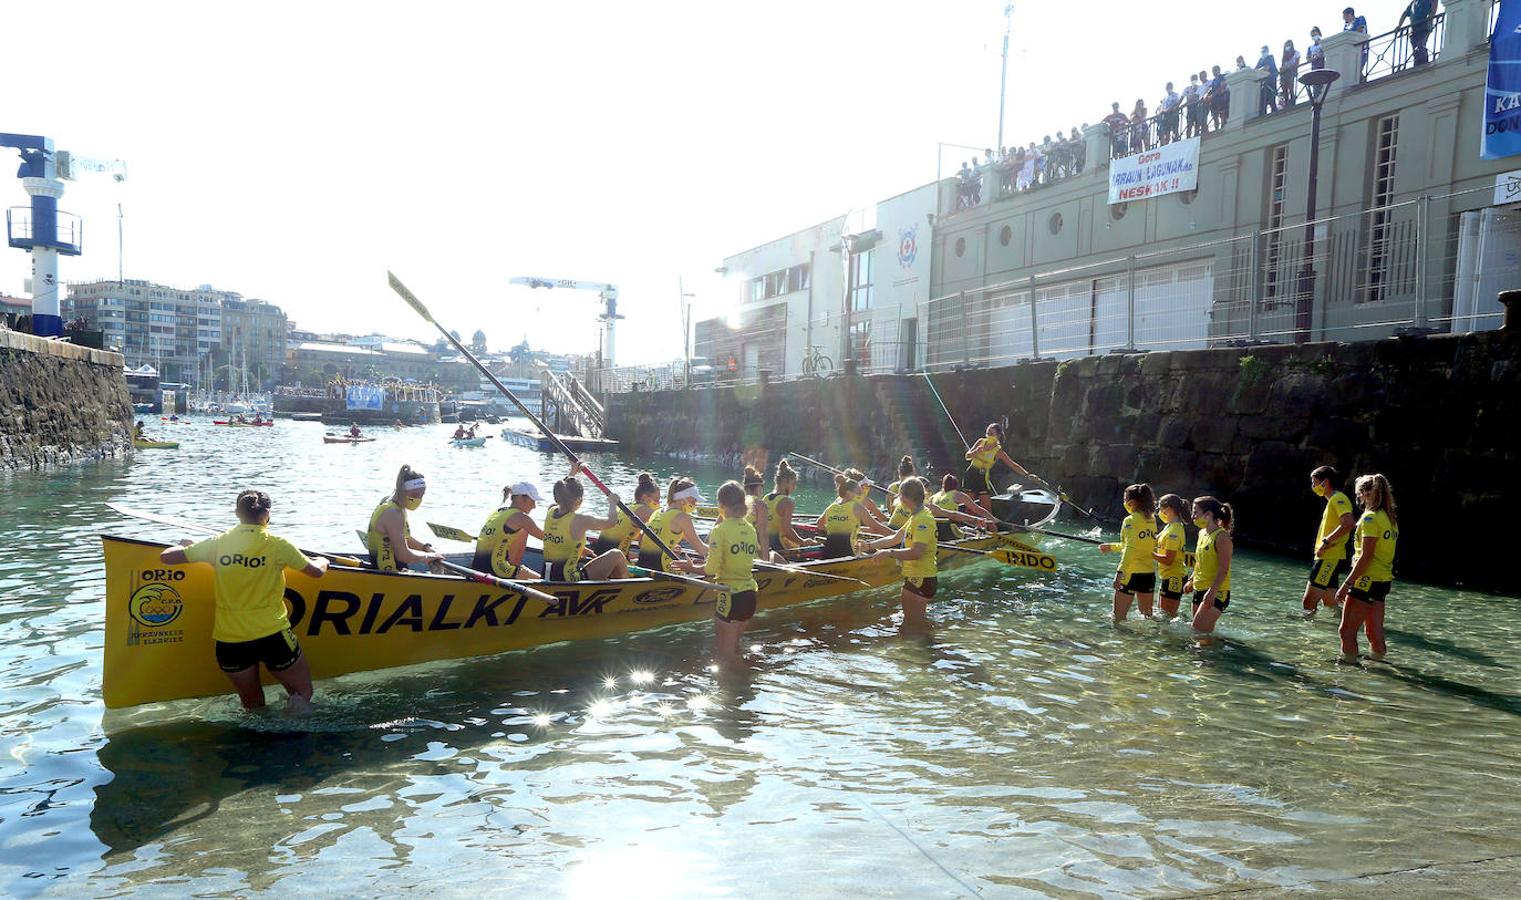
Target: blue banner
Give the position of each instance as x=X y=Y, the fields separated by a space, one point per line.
x=365 y=396
x=1502 y=91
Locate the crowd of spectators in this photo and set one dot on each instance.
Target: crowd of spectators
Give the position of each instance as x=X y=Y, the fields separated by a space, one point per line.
x=1022 y=168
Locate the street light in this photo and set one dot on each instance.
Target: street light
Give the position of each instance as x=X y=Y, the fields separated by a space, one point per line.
x=1319 y=83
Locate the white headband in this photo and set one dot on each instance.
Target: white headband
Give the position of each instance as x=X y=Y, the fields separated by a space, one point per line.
x=414 y=484
x=689 y=493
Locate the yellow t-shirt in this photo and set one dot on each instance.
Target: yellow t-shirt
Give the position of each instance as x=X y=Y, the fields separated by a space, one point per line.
x=493 y=546
x=1376 y=524
x=774 y=518
x=840 y=518
x=1172 y=538
x=661 y=523
x=1207 y=564
x=248 y=566
x=946 y=500
x=1138 y=540
x=897 y=515
x=921 y=530
x=986 y=453
x=559 y=545
x=379 y=544
x=1337 y=505
x=732 y=546
x=624 y=531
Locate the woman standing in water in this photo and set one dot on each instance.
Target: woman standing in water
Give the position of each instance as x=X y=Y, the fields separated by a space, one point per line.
x=1211 y=582
x=1367 y=585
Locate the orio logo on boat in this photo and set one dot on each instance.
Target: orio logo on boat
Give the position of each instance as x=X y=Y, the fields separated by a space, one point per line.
x=908 y=246
x=155 y=605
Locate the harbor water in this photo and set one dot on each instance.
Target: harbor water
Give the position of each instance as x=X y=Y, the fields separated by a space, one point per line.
x=1027 y=745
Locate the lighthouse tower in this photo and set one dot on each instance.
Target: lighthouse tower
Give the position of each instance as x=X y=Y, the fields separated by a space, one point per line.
x=41 y=228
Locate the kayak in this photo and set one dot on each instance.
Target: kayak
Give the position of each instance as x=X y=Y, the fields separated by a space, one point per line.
x=469 y=442
x=141 y=444
x=158 y=643
x=344 y=439
x=244 y=424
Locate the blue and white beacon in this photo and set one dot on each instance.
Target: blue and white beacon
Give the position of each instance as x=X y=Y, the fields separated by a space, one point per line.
x=40 y=227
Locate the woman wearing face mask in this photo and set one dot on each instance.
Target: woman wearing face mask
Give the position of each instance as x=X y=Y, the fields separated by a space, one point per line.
x=389 y=537
x=1211 y=581
x=1336 y=524
x=1367 y=585
x=981 y=458
x=1169 y=554
x=917 y=551
x=1136 y=577
x=565 y=537
x=673 y=525
x=504 y=537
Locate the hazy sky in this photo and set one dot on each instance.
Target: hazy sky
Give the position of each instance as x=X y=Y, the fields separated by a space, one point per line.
x=295 y=151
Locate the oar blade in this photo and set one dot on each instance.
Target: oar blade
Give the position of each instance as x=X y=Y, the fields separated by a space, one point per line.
x=450 y=533
x=1041 y=562
x=406 y=294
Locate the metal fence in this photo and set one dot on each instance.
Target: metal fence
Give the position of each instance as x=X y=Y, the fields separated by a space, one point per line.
x=1415 y=44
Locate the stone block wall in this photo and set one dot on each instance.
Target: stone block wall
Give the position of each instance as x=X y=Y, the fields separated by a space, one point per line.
x=1434 y=414
x=60 y=403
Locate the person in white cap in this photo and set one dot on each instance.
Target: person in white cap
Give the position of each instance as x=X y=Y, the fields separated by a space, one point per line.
x=504 y=537
x=565 y=537
x=389 y=536
x=674 y=525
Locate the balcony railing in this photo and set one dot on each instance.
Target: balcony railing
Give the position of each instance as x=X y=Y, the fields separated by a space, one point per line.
x=1394 y=51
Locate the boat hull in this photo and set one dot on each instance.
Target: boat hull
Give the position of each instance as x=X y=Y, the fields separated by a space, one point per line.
x=330 y=439
x=158 y=643
x=155 y=445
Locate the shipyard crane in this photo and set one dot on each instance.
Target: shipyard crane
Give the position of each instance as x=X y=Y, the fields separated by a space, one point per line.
x=41 y=228
x=608 y=293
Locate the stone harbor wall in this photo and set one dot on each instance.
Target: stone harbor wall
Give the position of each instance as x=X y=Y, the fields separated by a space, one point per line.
x=60 y=403
x=1437 y=415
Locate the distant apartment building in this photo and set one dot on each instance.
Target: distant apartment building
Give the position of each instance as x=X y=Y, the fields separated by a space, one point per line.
x=189 y=336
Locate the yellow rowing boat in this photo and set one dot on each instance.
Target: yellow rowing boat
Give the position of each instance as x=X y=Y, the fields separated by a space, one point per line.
x=144 y=444
x=158 y=643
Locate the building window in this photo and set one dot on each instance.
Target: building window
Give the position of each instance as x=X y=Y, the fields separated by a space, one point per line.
x=1277 y=180
x=1117 y=210
x=1005 y=235
x=1384 y=154
x=1055 y=223
x=798 y=278
x=961 y=246
x=860 y=281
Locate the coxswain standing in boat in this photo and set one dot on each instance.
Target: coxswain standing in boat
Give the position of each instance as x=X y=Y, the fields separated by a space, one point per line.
x=981 y=458
x=732 y=547
x=917 y=550
x=499 y=546
x=673 y=525
x=389 y=536
x=251 y=625
x=780 y=534
x=621 y=536
x=565 y=536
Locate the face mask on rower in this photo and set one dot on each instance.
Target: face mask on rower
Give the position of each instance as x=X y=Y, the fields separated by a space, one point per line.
x=1167 y=516
x=1200 y=521
x=1319 y=489
x=1131 y=506
x=411 y=502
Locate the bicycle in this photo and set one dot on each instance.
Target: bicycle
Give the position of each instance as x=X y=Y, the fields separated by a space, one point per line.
x=815 y=363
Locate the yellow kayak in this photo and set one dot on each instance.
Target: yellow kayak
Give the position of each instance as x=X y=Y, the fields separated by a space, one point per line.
x=141 y=444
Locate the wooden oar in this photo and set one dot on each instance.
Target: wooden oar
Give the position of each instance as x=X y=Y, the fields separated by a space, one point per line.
x=1009 y=556
x=832 y=470
x=132 y=513
x=484 y=578
x=450 y=533
x=417 y=306
x=799 y=570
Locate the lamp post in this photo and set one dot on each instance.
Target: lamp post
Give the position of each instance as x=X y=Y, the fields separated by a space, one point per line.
x=1003 y=75
x=1319 y=83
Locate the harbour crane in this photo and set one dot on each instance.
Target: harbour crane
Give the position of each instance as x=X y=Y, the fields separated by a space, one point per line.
x=41 y=228
x=608 y=293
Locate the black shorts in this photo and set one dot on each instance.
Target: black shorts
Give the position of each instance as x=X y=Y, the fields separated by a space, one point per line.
x=1370 y=591
x=481 y=562
x=946 y=531
x=560 y=571
x=1220 y=602
x=1138 y=583
x=278 y=652
x=775 y=540
x=977 y=481
x=1171 y=588
x=922 y=587
x=1324 y=573
x=601 y=545
x=837 y=546
x=650 y=559
x=735 y=607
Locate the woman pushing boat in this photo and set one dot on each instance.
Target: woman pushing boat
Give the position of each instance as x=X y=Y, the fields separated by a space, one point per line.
x=916 y=550
x=981 y=458
x=1367 y=586
x=1211 y=581
x=780 y=534
x=732 y=547
x=500 y=545
x=841 y=521
x=251 y=625
x=565 y=537
x=621 y=536
x=1136 y=577
x=673 y=525
x=389 y=535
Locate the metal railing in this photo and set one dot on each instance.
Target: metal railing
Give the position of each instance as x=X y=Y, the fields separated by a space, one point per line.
x=1403 y=48
x=575 y=409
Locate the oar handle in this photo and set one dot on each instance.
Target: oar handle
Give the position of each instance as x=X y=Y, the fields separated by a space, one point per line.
x=798 y=570
x=832 y=470
x=683 y=579
x=484 y=578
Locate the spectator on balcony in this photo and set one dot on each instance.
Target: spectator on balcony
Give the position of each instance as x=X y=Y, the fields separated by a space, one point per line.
x=1138 y=127
x=1217 y=96
x=1351 y=21
x=1005 y=169
x=1119 y=126
x=1240 y=63
x=1419 y=12
x=1168 y=110
x=1288 y=74
x=1078 y=150
x=1269 y=87
x=1192 y=107
x=968 y=187
x=1038 y=164
x=1315 y=54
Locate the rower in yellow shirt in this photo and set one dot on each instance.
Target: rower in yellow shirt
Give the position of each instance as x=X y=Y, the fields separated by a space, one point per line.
x=1171 y=541
x=981 y=458
x=732 y=548
x=917 y=550
x=504 y=537
x=1136 y=577
x=1336 y=525
x=621 y=536
x=252 y=627
x=1364 y=592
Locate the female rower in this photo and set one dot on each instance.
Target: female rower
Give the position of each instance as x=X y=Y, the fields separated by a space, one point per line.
x=917 y=549
x=251 y=626
x=1136 y=577
x=952 y=502
x=389 y=536
x=1367 y=585
x=906 y=470
x=565 y=537
x=841 y=521
x=759 y=515
x=1169 y=554
x=780 y=534
x=875 y=523
x=1211 y=581
x=504 y=537
x=621 y=536
x=732 y=546
x=674 y=525
x=981 y=458
x=1336 y=525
